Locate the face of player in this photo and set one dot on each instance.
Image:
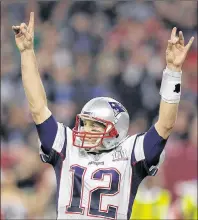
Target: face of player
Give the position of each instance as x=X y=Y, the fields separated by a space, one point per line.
x=93 y=127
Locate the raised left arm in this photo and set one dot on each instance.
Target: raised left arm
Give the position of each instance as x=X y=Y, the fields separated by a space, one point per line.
x=171 y=83
x=148 y=147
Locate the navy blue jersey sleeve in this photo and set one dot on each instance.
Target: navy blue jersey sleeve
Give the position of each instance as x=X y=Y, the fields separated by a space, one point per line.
x=52 y=140
x=47 y=132
x=149 y=148
x=153 y=146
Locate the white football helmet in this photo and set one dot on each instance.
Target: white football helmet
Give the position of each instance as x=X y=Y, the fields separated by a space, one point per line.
x=110 y=113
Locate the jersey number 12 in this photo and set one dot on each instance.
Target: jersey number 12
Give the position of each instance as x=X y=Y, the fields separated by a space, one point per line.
x=96 y=194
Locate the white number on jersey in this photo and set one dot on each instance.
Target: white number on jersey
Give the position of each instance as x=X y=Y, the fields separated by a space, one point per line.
x=95 y=195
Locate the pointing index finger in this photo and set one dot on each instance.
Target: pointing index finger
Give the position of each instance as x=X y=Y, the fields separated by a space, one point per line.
x=31 y=23
x=173 y=33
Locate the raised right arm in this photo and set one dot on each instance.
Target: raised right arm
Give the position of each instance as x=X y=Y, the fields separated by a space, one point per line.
x=33 y=87
x=34 y=90
x=46 y=125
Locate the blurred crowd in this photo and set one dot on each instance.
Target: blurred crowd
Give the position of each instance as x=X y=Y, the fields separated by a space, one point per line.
x=86 y=49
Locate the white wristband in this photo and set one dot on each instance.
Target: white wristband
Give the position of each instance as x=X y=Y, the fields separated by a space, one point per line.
x=170 y=90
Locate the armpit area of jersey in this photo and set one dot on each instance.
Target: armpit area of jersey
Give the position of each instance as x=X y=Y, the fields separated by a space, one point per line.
x=151 y=171
x=52 y=158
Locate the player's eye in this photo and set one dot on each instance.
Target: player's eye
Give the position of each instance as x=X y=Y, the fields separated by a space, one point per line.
x=82 y=123
x=98 y=125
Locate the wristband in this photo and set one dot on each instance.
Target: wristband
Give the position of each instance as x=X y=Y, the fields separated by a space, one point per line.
x=170 y=90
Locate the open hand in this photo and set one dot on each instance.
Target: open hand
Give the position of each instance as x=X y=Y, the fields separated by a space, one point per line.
x=176 y=51
x=24 y=35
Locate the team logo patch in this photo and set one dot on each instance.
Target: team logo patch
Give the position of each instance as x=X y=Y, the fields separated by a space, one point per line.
x=117 y=108
x=177 y=88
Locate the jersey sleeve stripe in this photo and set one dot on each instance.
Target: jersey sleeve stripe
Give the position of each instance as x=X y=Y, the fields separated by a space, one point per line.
x=58 y=145
x=59 y=139
x=138 y=149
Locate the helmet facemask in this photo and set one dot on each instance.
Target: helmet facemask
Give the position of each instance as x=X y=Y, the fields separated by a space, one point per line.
x=92 y=141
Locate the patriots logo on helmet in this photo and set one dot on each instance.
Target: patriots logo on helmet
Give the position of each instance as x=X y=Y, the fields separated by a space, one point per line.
x=117 y=108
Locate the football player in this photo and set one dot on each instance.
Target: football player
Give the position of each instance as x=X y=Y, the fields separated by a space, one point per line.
x=98 y=166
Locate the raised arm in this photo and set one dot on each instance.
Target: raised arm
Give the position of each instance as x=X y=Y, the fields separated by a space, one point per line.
x=46 y=125
x=155 y=138
x=171 y=83
x=34 y=90
x=152 y=143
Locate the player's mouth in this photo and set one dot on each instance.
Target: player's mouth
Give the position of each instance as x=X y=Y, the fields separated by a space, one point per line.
x=89 y=140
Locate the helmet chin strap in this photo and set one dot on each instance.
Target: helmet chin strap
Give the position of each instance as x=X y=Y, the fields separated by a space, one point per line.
x=96 y=150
